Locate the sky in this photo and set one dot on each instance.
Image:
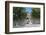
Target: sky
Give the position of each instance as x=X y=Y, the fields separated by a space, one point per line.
x=28 y=9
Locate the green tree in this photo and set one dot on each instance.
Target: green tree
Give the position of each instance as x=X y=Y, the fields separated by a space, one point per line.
x=19 y=13
x=36 y=12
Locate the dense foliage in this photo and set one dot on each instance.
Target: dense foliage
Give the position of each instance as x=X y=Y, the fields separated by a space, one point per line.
x=19 y=13
x=36 y=12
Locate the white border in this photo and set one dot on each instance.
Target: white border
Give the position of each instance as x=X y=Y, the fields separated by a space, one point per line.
x=11 y=29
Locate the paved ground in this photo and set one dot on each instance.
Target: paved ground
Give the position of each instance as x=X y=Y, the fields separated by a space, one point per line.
x=25 y=24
